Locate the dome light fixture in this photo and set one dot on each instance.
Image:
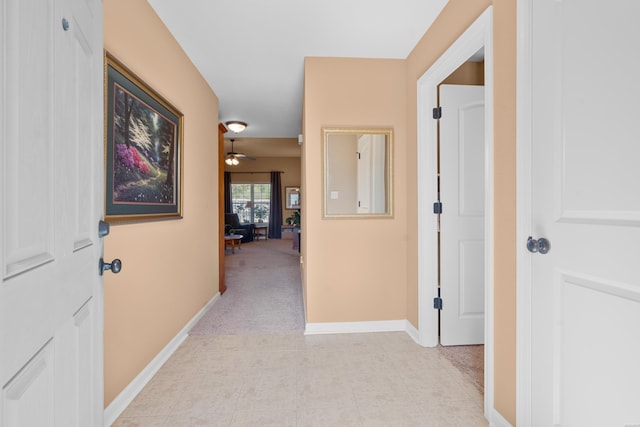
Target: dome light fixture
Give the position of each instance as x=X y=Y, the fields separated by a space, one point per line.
x=236 y=126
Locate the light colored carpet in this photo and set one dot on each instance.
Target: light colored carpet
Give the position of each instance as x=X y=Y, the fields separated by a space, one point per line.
x=264 y=292
x=469 y=360
x=264 y=296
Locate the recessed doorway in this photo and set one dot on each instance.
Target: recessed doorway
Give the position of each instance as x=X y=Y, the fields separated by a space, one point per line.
x=476 y=40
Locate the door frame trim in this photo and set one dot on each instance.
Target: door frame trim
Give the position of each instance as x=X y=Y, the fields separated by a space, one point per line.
x=478 y=35
x=222 y=283
x=524 y=215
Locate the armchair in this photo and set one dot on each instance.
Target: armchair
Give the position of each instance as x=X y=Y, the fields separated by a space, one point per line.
x=231 y=221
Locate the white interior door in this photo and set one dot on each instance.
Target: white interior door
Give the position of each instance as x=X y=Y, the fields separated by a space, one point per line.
x=371 y=173
x=51 y=200
x=585 y=145
x=462 y=193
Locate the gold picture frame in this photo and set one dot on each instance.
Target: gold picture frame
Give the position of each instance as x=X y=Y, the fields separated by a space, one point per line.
x=292 y=197
x=143 y=149
x=357 y=173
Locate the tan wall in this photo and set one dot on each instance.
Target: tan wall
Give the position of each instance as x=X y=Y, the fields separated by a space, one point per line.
x=290 y=178
x=454 y=19
x=170 y=268
x=355 y=269
x=469 y=73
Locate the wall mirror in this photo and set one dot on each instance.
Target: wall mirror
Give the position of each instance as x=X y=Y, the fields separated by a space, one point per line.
x=357 y=172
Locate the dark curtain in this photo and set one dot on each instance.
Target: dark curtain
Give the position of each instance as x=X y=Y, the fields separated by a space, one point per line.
x=275 y=218
x=227 y=193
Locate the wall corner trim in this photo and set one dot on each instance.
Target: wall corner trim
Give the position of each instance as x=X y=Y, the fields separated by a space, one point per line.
x=413 y=332
x=126 y=396
x=497 y=420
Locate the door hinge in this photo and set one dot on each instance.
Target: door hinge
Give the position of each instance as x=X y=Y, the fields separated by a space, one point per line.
x=103 y=229
x=437 y=303
x=437 y=207
x=437 y=113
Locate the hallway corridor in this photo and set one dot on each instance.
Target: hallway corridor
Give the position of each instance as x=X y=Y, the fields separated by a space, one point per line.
x=255 y=378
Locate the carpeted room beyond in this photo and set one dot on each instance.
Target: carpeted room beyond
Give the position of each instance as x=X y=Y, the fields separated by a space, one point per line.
x=263 y=296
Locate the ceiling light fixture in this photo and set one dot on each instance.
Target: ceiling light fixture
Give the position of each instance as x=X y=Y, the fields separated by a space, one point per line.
x=236 y=126
x=231 y=160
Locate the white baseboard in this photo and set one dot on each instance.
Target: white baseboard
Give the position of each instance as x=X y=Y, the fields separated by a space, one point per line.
x=355 y=327
x=497 y=420
x=413 y=332
x=126 y=396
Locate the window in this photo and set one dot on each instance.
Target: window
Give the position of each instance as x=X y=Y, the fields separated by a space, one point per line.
x=251 y=201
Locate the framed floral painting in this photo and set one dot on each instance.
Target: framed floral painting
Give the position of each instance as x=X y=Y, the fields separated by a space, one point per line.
x=143 y=149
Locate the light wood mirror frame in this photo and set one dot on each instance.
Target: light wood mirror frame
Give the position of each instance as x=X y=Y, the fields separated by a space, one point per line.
x=357 y=173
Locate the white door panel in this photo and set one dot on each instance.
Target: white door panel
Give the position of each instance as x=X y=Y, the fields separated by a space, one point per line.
x=371 y=174
x=51 y=181
x=585 y=340
x=462 y=193
x=471 y=261
x=27 y=399
x=27 y=235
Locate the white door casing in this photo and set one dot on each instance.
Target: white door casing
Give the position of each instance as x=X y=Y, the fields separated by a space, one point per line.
x=479 y=35
x=462 y=194
x=364 y=184
x=579 y=305
x=51 y=199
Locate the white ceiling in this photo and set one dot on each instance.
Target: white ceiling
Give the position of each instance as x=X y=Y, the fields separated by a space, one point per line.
x=251 y=52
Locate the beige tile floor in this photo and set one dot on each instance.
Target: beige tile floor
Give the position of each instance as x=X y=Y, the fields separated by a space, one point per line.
x=374 y=379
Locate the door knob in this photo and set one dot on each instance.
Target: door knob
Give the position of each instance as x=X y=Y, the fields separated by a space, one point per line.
x=115 y=266
x=541 y=245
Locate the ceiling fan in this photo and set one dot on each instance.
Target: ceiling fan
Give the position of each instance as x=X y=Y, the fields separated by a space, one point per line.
x=233 y=158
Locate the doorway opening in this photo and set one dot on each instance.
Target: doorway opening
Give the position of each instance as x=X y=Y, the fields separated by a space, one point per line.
x=476 y=40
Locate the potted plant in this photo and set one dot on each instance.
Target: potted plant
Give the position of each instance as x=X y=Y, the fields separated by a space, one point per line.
x=294 y=219
x=260 y=213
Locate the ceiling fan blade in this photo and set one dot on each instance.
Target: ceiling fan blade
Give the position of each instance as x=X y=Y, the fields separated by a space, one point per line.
x=238 y=155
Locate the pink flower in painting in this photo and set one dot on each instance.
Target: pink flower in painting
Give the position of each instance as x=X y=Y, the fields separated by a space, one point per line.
x=144 y=168
x=136 y=156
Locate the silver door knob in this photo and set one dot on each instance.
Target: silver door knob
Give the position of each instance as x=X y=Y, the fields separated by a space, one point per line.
x=541 y=245
x=115 y=266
